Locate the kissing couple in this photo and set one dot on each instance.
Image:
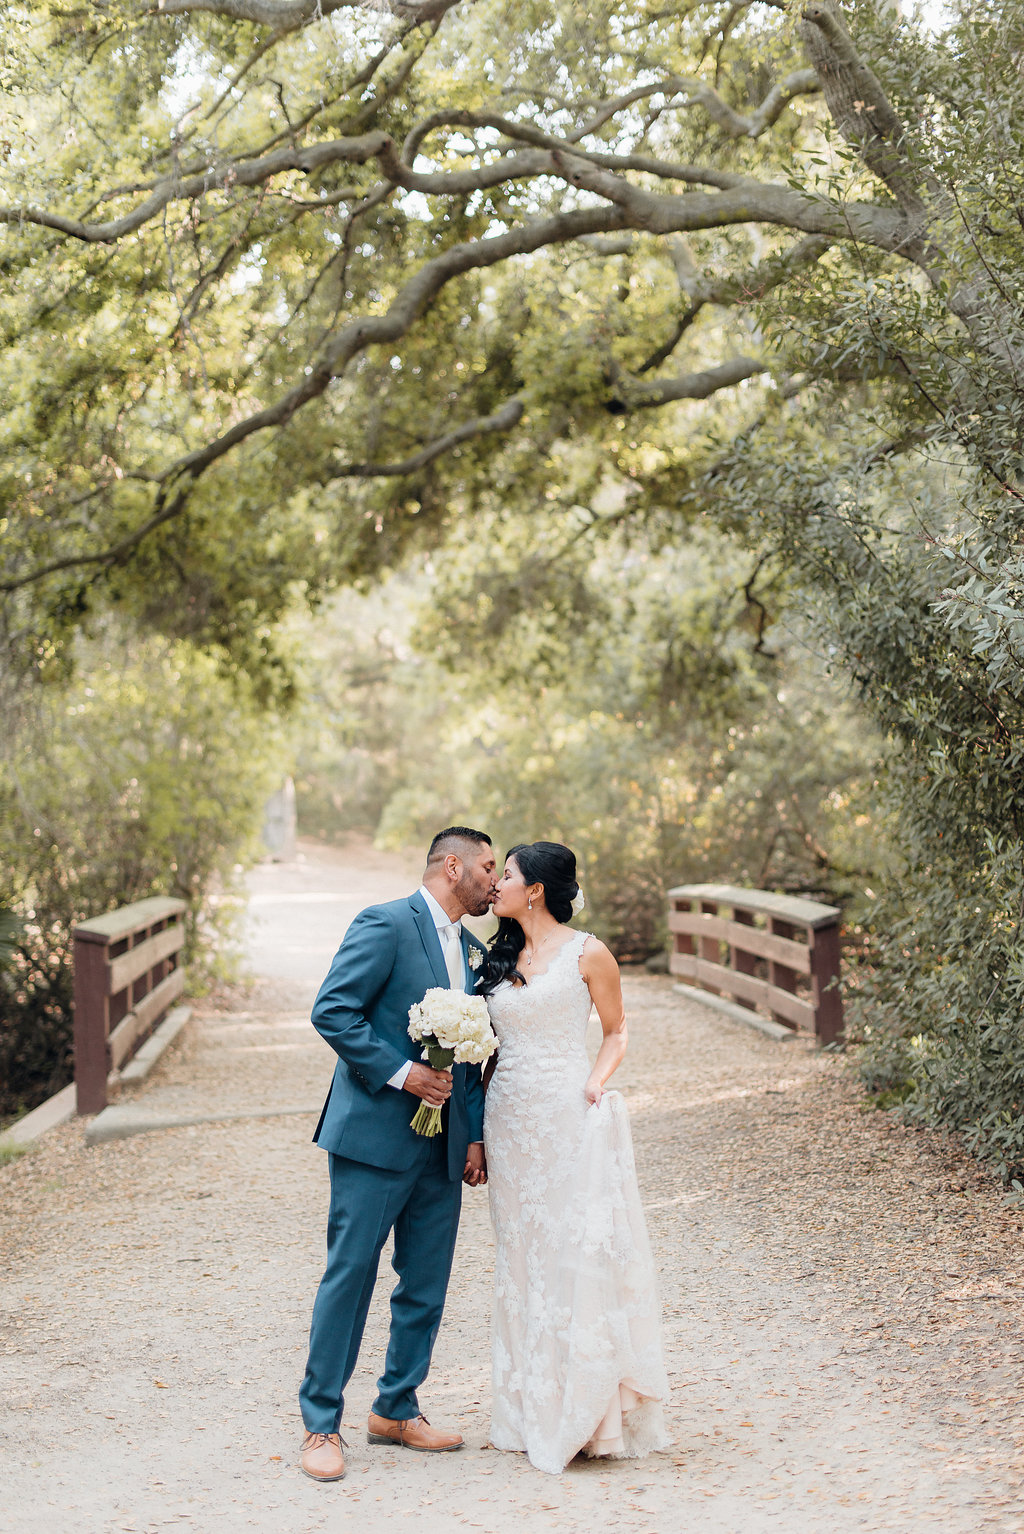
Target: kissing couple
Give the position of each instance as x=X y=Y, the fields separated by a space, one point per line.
x=576 y=1363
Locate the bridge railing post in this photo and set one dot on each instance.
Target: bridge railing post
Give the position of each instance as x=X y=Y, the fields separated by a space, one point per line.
x=742 y=961
x=92 y=1022
x=825 y=992
x=127 y=975
x=784 y=976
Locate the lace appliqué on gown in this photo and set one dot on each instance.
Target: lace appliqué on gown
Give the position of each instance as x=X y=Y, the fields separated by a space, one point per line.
x=577 y=1361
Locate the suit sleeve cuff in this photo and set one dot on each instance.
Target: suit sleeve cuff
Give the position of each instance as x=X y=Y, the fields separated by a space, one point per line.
x=398 y=1079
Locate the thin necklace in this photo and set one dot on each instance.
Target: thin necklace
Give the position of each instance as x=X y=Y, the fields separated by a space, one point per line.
x=537 y=948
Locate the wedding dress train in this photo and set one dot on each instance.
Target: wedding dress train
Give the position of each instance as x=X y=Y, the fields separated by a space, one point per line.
x=577 y=1361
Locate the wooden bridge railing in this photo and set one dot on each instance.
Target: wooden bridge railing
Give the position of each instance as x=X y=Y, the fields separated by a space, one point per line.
x=127 y=975
x=762 y=950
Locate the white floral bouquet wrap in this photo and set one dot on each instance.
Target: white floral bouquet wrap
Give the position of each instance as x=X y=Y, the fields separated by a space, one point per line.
x=452 y=1026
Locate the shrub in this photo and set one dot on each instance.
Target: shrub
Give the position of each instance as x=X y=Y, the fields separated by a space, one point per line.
x=36 y=984
x=145 y=772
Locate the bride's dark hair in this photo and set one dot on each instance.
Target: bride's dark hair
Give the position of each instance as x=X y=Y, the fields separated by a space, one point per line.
x=546 y=863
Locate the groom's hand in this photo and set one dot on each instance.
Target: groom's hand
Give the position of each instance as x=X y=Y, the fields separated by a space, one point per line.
x=435 y=1087
x=475 y=1172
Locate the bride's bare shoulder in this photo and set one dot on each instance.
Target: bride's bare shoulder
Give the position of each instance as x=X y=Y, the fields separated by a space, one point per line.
x=596 y=958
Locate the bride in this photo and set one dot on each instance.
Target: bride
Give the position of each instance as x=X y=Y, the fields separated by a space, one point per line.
x=577 y=1359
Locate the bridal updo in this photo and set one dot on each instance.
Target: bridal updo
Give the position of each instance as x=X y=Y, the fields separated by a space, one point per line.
x=546 y=863
x=554 y=866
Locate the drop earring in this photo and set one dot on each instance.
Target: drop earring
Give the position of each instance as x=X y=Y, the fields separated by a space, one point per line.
x=529 y=904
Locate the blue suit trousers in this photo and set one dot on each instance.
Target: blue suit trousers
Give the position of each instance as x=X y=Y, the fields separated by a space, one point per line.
x=422 y=1205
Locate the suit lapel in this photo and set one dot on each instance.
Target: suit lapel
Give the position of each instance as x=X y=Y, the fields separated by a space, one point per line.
x=468 y=942
x=430 y=940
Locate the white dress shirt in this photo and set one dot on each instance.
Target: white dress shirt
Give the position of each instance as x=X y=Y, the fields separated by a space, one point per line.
x=442 y=921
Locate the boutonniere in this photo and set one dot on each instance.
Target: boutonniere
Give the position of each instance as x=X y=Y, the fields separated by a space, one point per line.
x=475 y=958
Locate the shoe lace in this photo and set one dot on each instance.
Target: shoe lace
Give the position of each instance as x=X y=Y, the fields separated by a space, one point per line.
x=322 y=1438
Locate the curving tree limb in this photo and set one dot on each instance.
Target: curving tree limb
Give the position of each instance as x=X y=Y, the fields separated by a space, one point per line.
x=200 y=179
x=733 y=288
x=176 y=189
x=509 y=415
x=284 y=16
x=634 y=394
x=802 y=82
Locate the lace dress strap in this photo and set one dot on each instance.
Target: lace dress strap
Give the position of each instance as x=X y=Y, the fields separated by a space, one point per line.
x=572 y=948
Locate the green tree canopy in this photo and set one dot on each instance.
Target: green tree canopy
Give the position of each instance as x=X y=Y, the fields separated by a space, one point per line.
x=284 y=282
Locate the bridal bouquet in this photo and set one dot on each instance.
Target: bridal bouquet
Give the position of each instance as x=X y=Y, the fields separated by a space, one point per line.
x=451 y=1025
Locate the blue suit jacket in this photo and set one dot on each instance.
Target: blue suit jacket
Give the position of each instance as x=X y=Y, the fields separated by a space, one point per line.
x=390 y=957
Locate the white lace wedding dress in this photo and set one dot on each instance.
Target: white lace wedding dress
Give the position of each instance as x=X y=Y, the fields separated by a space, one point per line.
x=577 y=1360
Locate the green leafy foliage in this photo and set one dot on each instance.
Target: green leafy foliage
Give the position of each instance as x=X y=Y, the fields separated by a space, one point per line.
x=36 y=989
x=145 y=773
x=619 y=700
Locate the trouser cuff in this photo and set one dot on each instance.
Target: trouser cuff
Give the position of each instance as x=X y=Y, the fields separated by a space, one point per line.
x=401 y=1408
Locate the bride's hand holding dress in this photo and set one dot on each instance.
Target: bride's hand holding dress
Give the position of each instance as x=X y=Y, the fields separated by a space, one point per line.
x=601 y=977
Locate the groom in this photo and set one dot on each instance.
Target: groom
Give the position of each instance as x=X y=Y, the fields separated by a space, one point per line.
x=384 y=1176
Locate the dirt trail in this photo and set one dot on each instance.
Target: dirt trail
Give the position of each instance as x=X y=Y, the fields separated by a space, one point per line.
x=841 y=1296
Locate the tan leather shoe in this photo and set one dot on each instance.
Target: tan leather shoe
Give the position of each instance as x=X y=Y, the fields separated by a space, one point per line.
x=415 y=1433
x=321 y=1458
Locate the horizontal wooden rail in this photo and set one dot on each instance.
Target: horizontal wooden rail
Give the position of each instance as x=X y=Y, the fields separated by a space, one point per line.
x=788 y=965
x=751 y=939
x=127 y=976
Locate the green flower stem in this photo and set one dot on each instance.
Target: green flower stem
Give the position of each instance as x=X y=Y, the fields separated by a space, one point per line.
x=427 y=1120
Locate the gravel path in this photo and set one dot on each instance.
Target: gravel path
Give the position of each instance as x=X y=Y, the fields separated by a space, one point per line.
x=841 y=1296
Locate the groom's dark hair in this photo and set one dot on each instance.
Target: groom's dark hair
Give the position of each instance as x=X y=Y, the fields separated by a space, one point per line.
x=448 y=841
